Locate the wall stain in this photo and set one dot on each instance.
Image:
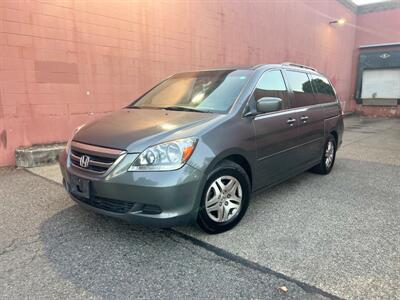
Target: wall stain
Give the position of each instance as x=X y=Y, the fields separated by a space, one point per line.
x=3 y=138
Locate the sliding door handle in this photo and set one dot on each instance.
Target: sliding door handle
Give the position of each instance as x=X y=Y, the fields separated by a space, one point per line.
x=304 y=119
x=291 y=121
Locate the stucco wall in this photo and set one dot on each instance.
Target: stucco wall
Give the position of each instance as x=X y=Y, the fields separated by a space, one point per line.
x=378 y=27
x=63 y=63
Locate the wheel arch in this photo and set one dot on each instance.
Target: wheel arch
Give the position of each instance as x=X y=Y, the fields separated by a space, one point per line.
x=236 y=157
x=335 y=135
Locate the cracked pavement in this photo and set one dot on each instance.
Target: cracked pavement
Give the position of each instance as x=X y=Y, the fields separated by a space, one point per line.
x=320 y=236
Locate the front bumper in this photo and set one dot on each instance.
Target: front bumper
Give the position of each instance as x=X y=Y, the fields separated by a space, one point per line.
x=163 y=199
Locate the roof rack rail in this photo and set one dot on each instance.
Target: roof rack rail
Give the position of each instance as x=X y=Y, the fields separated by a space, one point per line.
x=288 y=63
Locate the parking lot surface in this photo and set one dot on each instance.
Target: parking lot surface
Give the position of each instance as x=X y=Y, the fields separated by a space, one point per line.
x=319 y=236
x=339 y=232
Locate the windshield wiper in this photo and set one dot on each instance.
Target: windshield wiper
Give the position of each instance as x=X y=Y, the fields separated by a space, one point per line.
x=183 y=108
x=144 y=107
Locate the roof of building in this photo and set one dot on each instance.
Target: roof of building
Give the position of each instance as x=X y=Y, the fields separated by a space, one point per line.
x=370 y=7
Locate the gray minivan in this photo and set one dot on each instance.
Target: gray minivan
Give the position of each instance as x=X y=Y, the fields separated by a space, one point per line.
x=197 y=145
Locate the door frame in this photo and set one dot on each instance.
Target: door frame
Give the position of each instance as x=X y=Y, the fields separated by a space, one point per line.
x=289 y=110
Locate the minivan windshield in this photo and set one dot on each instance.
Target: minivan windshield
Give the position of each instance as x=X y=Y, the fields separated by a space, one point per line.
x=207 y=91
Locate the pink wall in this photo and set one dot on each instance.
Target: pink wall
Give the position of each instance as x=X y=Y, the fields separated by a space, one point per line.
x=378 y=28
x=63 y=63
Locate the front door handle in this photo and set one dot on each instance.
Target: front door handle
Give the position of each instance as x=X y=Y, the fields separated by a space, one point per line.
x=304 y=119
x=291 y=121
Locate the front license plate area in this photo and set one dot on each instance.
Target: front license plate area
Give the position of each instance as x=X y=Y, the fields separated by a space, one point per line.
x=80 y=187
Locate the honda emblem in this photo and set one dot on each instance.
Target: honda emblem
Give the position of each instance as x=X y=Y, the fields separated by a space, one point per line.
x=84 y=161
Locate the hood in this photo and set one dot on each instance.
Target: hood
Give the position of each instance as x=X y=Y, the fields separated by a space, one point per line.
x=136 y=129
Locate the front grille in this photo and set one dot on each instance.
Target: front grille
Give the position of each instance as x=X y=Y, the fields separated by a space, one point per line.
x=112 y=205
x=100 y=158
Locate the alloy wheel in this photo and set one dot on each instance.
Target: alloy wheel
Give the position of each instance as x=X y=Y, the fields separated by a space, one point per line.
x=329 y=154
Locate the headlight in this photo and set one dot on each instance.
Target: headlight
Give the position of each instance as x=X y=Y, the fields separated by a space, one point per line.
x=165 y=157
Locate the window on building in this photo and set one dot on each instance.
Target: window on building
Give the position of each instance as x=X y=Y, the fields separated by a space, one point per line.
x=381 y=84
x=272 y=84
x=324 y=92
x=301 y=87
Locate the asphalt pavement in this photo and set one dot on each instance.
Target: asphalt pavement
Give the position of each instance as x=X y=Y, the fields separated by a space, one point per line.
x=334 y=236
x=50 y=248
x=339 y=232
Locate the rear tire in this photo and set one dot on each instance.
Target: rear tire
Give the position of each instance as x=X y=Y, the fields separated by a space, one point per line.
x=225 y=198
x=328 y=157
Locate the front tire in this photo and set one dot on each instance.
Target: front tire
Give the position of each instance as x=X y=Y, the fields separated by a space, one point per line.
x=328 y=157
x=225 y=198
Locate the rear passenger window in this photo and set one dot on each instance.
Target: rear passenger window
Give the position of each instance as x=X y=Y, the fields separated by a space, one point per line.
x=272 y=84
x=301 y=87
x=323 y=90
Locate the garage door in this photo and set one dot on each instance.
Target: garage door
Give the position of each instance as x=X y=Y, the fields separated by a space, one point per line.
x=381 y=84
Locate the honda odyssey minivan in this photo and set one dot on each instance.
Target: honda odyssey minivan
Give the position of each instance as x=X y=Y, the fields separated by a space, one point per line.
x=196 y=146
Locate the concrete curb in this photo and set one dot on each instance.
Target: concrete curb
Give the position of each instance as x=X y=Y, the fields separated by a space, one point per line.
x=38 y=155
x=349 y=114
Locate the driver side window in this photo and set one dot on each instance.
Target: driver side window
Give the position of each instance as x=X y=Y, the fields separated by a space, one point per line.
x=271 y=84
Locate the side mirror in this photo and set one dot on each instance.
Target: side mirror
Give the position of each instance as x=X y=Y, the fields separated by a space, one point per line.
x=268 y=104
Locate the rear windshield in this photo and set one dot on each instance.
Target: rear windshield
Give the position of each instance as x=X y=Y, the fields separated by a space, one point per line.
x=208 y=91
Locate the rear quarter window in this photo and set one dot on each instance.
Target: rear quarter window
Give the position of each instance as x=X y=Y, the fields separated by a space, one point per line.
x=324 y=92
